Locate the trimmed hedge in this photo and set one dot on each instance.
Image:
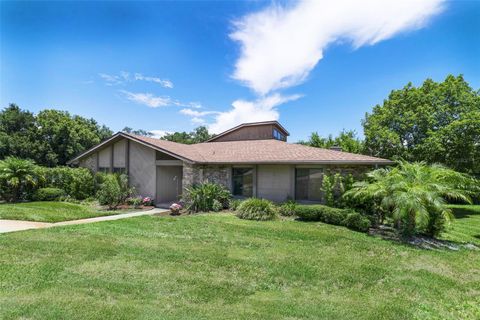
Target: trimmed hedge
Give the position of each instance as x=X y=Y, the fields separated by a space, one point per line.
x=340 y=217
x=49 y=194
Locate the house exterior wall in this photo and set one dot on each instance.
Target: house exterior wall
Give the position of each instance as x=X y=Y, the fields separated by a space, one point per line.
x=89 y=162
x=260 y=132
x=195 y=174
x=142 y=169
x=104 y=157
x=274 y=182
x=119 y=154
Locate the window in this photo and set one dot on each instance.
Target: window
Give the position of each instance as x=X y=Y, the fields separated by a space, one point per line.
x=308 y=183
x=119 y=170
x=242 y=182
x=277 y=135
x=104 y=169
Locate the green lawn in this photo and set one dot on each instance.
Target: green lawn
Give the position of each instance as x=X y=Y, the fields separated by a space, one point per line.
x=467 y=224
x=49 y=211
x=216 y=266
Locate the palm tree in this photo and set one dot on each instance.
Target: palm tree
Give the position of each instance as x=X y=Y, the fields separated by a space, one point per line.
x=16 y=175
x=415 y=194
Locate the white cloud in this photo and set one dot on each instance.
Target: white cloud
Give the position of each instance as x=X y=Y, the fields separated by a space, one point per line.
x=124 y=77
x=163 y=82
x=280 y=45
x=159 y=133
x=198 y=116
x=153 y=101
x=262 y=109
x=149 y=99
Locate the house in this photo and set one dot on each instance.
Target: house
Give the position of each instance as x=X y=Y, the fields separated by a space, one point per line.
x=251 y=160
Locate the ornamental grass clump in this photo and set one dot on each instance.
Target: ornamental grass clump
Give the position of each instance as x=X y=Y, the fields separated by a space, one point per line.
x=256 y=209
x=206 y=197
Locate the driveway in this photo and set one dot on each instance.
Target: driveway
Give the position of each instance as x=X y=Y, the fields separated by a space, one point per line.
x=18 y=225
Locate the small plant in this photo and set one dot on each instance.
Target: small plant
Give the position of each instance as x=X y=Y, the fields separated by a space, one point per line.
x=175 y=209
x=327 y=188
x=49 y=194
x=136 y=202
x=256 y=209
x=147 y=201
x=233 y=204
x=287 y=209
x=217 y=205
x=201 y=198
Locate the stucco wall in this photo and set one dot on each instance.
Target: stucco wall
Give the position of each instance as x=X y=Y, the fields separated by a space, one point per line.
x=104 y=156
x=142 y=169
x=119 y=153
x=274 y=182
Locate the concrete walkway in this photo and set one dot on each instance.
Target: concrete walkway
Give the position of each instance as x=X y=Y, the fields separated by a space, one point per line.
x=17 y=225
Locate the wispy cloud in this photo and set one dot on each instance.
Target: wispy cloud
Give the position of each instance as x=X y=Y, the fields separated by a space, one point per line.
x=163 y=82
x=124 y=77
x=148 y=99
x=153 y=101
x=198 y=117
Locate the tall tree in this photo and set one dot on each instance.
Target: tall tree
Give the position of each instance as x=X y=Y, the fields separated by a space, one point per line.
x=436 y=122
x=50 y=138
x=348 y=140
x=198 y=135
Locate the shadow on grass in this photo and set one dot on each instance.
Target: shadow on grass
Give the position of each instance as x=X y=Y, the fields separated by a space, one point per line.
x=465 y=212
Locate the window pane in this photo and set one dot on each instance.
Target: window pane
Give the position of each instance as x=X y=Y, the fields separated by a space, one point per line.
x=307 y=184
x=243 y=182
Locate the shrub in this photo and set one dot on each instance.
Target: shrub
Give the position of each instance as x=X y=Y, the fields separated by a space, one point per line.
x=256 y=209
x=49 y=194
x=201 y=198
x=335 y=216
x=233 y=204
x=114 y=190
x=287 y=209
x=78 y=183
x=356 y=221
x=18 y=179
x=135 y=201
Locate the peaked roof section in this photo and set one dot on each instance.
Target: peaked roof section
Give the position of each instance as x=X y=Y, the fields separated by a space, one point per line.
x=238 y=152
x=250 y=124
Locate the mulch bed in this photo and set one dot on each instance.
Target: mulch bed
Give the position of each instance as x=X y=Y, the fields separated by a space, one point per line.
x=418 y=241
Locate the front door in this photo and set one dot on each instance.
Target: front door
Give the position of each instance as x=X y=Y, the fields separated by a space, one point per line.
x=169 y=184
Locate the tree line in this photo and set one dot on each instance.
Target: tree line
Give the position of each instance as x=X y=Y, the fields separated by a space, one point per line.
x=437 y=122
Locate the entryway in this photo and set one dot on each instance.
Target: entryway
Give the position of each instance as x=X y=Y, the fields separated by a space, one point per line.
x=169 y=185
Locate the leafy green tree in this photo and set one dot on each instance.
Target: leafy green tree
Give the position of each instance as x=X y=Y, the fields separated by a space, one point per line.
x=50 y=138
x=415 y=194
x=436 y=122
x=17 y=177
x=198 y=135
x=347 y=140
x=139 y=132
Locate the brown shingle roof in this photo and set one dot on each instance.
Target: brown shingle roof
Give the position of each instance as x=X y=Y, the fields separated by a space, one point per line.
x=257 y=151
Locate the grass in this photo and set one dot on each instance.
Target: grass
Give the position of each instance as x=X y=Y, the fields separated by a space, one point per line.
x=50 y=211
x=467 y=224
x=216 y=266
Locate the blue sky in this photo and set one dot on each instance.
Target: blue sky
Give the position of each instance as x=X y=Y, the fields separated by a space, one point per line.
x=139 y=64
